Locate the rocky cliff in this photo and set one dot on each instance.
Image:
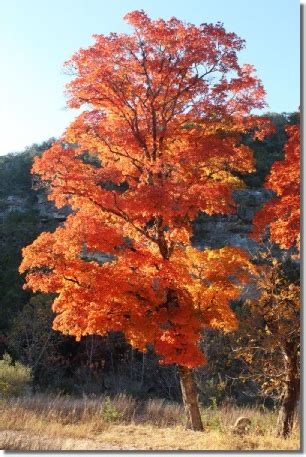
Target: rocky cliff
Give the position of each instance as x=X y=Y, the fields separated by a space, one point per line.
x=221 y=230
x=209 y=231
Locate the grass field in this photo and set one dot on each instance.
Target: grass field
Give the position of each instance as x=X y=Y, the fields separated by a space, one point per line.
x=61 y=423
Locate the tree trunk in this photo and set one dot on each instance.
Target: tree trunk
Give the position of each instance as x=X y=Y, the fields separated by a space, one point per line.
x=190 y=399
x=291 y=392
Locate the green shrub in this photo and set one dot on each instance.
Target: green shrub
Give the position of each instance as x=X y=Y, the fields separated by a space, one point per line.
x=15 y=378
x=110 y=412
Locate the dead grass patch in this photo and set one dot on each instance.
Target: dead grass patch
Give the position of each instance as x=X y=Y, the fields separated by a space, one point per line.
x=63 y=423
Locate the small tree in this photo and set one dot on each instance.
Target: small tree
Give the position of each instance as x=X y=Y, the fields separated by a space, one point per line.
x=159 y=141
x=282 y=216
x=269 y=339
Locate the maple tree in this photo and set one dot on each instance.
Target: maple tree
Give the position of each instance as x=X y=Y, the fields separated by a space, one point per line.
x=158 y=141
x=282 y=213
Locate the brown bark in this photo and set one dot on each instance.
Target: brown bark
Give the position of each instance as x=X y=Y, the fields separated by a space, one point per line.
x=291 y=392
x=190 y=399
x=188 y=387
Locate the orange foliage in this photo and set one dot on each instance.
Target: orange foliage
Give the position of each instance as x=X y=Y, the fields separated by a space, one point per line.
x=158 y=142
x=282 y=213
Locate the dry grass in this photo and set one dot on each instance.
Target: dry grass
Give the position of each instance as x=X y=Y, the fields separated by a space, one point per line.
x=61 y=423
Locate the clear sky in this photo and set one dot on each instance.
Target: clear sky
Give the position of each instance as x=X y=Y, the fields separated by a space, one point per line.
x=37 y=36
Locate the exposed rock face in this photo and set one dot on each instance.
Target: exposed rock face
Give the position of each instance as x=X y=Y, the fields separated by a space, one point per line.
x=47 y=210
x=222 y=230
x=13 y=203
x=209 y=231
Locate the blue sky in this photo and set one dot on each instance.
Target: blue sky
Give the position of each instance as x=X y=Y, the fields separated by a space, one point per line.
x=37 y=36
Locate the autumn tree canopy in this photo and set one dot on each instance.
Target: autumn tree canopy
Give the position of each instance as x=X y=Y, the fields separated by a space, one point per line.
x=158 y=141
x=282 y=213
